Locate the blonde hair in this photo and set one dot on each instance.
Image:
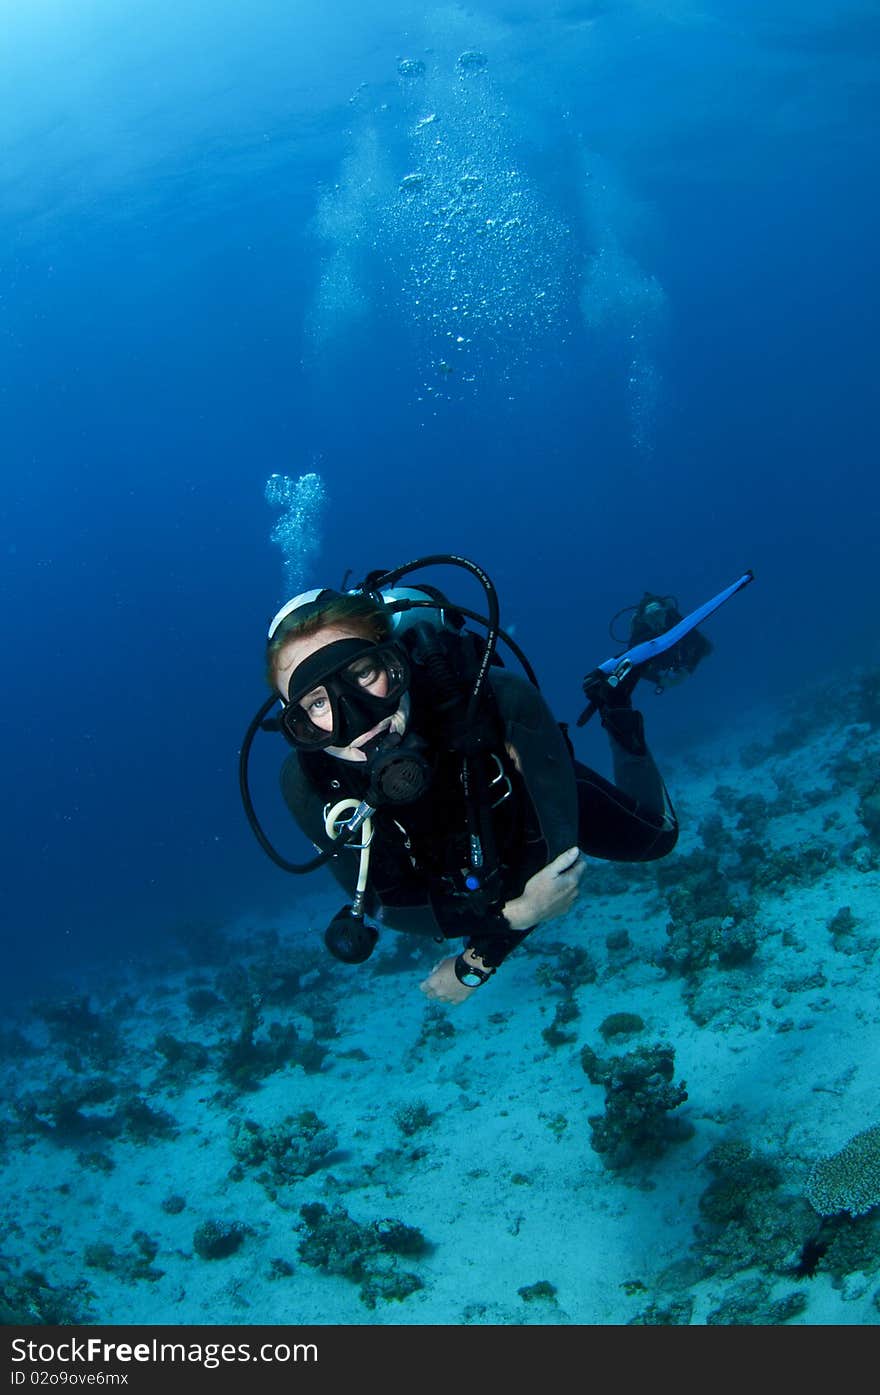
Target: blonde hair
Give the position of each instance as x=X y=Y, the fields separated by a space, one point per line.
x=361 y=614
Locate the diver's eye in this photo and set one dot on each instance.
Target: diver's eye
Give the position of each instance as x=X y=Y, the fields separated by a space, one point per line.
x=365 y=674
x=315 y=705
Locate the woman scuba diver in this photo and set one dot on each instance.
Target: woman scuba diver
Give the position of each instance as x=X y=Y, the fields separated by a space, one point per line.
x=437 y=785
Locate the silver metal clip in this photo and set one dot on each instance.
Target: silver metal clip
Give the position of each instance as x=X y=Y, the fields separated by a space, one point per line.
x=619 y=673
x=500 y=778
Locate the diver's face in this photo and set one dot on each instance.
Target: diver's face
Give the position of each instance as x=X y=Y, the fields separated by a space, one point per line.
x=655 y=617
x=316 y=703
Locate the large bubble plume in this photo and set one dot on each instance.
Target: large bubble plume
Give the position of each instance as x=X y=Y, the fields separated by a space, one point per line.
x=433 y=218
x=479 y=260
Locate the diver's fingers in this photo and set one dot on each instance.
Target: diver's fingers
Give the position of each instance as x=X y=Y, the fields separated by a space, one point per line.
x=564 y=861
x=569 y=883
x=573 y=875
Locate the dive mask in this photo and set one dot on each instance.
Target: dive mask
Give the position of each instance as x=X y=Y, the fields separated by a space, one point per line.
x=336 y=680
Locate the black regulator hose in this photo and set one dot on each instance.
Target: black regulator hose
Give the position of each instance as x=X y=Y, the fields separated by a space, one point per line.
x=248 y=803
x=473 y=780
x=449 y=559
x=399 y=607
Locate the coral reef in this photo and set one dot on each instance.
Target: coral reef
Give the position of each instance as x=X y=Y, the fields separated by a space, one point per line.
x=844 y=1246
x=413 y=1117
x=708 y=923
x=276 y=976
x=746 y=1222
x=751 y=1219
x=713 y=833
x=750 y=1303
x=543 y=1290
x=368 y=1254
x=28 y=1299
x=568 y=968
x=203 y=1002
x=129 y=1266
x=437 y=1033
x=869 y=811
x=677 y=1312
x=622 y=953
x=850 y=1179
x=572 y=968
x=711 y=930
x=84 y=1036
x=284 y=1153
x=801 y=864
x=620 y=1024
x=843 y=922
x=391 y=1169
x=753 y=1223
x=618 y=942
x=246 y=1061
x=567 y=1011
x=219 y=1239
x=182 y=1060
x=95 y=1161
x=807 y=720
x=639 y=1096
x=69 y=1109
x=695 y=886
x=142 y=1123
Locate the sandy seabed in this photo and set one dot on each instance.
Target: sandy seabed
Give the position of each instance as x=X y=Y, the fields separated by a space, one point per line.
x=126 y=1127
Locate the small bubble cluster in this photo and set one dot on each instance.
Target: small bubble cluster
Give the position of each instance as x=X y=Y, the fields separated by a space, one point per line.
x=298 y=530
x=623 y=305
x=643 y=383
x=344 y=224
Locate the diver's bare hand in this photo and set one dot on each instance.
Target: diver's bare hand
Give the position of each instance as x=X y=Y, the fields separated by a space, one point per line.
x=443 y=986
x=549 y=893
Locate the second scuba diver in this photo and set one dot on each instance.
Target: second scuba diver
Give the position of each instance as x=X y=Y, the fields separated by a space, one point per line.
x=472 y=815
x=654 y=616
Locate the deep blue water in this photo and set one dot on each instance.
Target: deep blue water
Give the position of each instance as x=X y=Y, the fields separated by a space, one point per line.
x=208 y=275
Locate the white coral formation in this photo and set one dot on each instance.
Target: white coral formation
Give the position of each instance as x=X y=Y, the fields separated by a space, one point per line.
x=848 y=1180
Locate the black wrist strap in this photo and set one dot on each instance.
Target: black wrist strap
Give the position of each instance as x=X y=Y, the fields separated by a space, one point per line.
x=465 y=972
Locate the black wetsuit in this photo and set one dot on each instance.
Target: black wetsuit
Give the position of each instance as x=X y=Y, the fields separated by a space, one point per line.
x=682 y=658
x=419 y=850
